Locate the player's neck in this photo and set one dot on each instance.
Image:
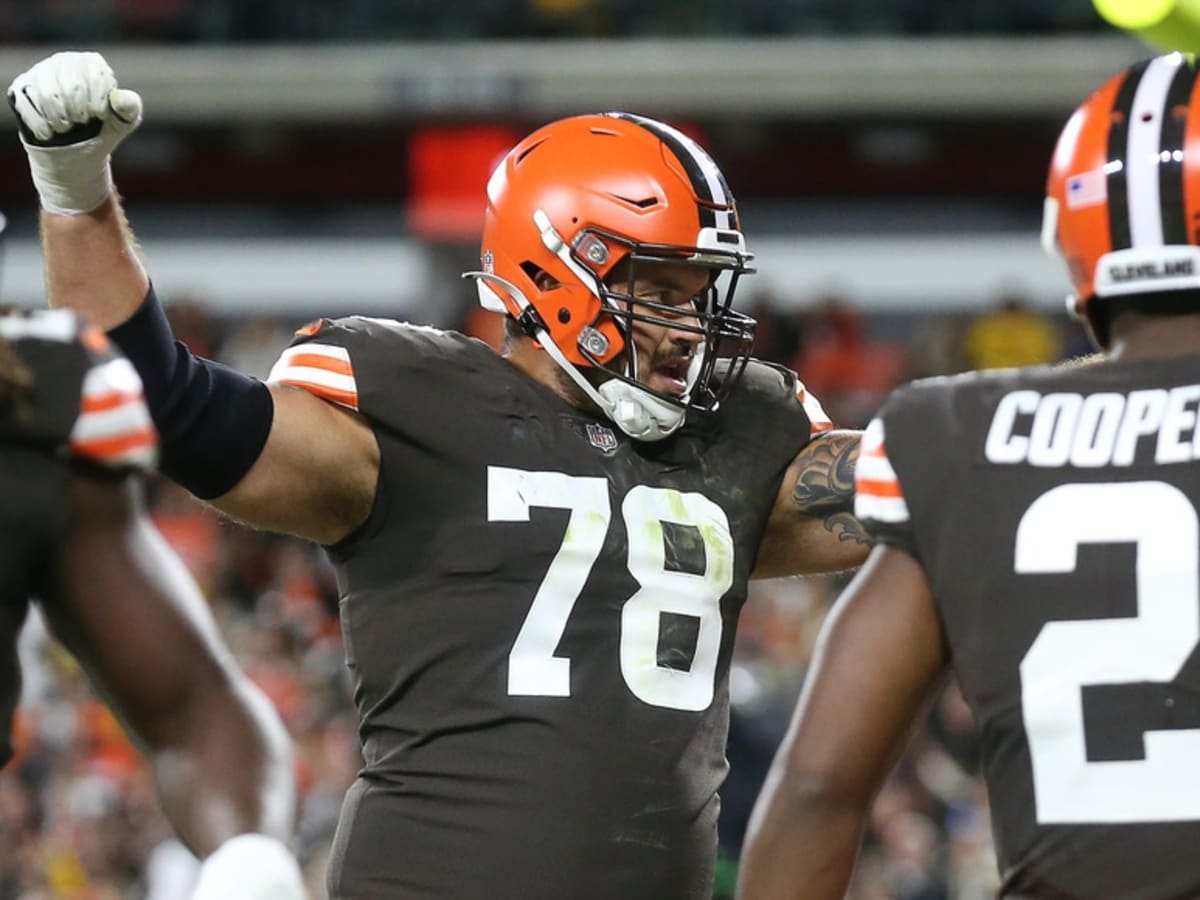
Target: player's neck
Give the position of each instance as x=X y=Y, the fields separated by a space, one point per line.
x=1147 y=337
x=538 y=365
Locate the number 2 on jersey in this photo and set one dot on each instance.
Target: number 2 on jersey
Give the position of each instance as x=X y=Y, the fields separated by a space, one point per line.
x=1151 y=647
x=533 y=669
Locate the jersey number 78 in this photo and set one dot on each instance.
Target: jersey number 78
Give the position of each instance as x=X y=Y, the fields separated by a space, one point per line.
x=533 y=669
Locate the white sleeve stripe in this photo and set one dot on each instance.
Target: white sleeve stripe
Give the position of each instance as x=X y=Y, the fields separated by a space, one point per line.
x=144 y=457
x=330 y=350
x=815 y=412
x=112 y=376
x=872 y=439
x=881 y=509
x=282 y=371
x=128 y=417
x=875 y=468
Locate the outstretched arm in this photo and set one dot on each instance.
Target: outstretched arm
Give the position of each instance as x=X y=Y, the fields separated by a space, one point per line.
x=812 y=528
x=880 y=656
x=123 y=604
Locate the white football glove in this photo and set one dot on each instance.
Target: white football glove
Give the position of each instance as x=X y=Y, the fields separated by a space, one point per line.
x=71 y=116
x=250 y=867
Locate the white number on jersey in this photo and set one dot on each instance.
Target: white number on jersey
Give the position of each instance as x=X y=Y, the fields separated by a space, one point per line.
x=1151 y=647
x=533 y=669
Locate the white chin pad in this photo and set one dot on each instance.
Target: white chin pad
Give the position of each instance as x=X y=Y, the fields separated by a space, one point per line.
x=639 y=414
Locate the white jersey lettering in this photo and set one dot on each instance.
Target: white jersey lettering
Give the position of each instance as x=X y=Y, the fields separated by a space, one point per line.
x=1065 y=428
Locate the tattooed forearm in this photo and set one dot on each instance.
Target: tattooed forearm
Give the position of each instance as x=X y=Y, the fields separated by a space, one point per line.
x=847 y=528
x=826 y=482
x=825 y=487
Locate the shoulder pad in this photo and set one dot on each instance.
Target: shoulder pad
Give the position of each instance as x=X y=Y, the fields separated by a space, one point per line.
x=777 y=385
x=363 y=363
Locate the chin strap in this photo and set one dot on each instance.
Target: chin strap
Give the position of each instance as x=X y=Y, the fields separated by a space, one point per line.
x=636 y=412
x=639 y=414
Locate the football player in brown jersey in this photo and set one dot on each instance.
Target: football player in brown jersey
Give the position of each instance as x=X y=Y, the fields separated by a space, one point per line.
x=542 y=554
x=1038 y=535
x=74 y=435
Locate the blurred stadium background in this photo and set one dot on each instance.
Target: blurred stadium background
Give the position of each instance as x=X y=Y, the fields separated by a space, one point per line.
x=304 y=157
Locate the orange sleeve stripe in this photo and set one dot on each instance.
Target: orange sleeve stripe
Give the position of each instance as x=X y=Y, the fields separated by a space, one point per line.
x=109 y=400
x=310 y=329
x=333 y=395
x=876 y=488
x=819 y=427
x=317 y=361
x=116 y=446
x=94 y=339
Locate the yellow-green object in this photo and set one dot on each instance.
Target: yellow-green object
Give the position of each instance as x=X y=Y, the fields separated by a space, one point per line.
x=1166 y=24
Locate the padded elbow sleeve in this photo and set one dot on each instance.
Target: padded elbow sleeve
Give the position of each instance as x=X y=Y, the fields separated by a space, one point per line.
x=212 y=420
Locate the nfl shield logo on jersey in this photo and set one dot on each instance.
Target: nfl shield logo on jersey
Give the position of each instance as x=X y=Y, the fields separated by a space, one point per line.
x=601 y=437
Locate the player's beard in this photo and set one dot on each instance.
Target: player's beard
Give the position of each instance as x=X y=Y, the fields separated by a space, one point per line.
x=598 y=375
x=575 y=393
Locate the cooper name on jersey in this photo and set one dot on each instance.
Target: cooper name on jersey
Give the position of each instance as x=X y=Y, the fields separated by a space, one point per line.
x=1103 y=429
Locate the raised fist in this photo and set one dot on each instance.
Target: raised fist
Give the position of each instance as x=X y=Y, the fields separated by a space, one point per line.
x=71 y=115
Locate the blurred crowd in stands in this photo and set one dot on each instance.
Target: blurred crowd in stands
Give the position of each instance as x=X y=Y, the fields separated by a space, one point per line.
x=231 y=21
x=78 y=817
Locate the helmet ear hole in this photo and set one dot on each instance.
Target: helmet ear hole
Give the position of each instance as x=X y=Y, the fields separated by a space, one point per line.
x=564 y=315
x=541 y=279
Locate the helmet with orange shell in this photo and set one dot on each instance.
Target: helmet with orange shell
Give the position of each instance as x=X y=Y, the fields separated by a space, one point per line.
x=1123 y=193
x=587 y=199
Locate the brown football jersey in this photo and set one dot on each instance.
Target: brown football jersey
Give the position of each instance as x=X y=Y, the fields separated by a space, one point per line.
x=539 y=615
x=84 y=407
x=1054 y=512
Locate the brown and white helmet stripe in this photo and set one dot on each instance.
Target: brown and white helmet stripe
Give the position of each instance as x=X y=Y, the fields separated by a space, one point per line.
x=1149 y=122
x=716 y=206
x=1123 y=192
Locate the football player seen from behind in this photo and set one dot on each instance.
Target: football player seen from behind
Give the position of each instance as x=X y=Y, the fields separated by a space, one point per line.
x=1059 y=578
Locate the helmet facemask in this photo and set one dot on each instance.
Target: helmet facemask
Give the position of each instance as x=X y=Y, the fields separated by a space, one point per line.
x=724 y=333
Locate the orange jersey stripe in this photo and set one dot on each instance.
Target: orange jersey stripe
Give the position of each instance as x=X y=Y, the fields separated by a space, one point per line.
x=109 y=447
x=877 y=488
x=333 y=395
x=317 y=361
x=94 y=339
x=818 y=427
x=311 y=328
x=107 y=401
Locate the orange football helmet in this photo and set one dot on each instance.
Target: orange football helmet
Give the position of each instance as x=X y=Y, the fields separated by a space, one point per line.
x=582 y=196
x=1123 y=193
